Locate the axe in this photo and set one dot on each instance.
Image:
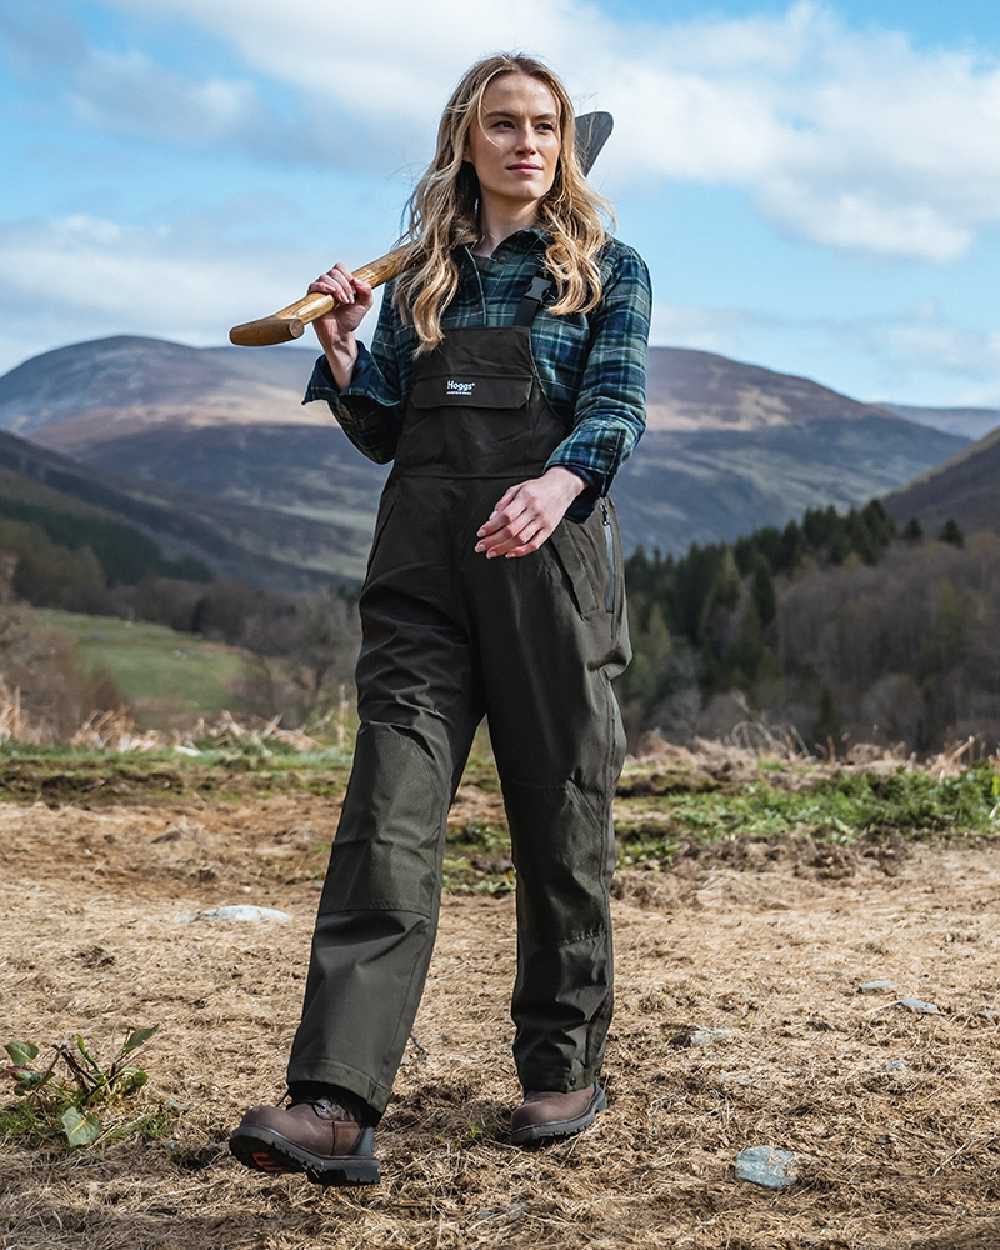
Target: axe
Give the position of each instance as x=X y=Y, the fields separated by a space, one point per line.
x=591 y=134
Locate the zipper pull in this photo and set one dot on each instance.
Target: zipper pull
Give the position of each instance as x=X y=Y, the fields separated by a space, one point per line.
x=609 y=594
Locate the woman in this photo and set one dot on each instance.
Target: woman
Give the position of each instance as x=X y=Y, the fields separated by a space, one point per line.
x=506 y=380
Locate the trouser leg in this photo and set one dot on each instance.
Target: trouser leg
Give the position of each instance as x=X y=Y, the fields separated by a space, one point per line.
x=419 y=706
x=552 y=637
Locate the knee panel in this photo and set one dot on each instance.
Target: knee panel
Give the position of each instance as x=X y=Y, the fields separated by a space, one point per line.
x=386 y=851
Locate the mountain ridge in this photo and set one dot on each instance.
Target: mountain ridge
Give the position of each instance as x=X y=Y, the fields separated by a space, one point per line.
x=102 y=388
x=729 y=446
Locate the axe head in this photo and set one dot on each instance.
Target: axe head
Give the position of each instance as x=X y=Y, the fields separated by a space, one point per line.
x=592 y=131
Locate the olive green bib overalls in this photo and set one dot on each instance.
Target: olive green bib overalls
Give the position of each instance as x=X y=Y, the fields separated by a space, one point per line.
x=449 y=636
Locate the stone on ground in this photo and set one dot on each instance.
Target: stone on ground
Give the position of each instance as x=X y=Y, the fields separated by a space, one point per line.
x=875 y=987
x=244 y=913
x=768 y=1166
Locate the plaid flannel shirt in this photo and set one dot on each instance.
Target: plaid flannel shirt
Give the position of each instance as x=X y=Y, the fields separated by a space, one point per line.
x=592 y=366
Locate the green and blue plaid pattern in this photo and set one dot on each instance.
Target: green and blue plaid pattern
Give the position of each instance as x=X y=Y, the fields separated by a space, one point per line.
x=592 y=366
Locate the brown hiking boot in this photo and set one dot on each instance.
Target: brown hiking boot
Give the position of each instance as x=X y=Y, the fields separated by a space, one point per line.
x=313 y=1135
x=549 y=1113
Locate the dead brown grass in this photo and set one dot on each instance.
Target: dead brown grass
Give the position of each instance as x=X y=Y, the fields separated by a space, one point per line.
x=771 y=947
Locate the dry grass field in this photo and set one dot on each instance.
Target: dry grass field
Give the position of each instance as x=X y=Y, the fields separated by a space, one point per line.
x=766 y=934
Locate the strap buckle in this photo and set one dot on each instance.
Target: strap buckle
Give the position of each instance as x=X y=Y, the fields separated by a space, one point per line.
x=531 y=300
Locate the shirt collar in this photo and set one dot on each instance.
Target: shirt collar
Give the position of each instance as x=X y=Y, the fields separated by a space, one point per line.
x=530 y=235
x=528 y=238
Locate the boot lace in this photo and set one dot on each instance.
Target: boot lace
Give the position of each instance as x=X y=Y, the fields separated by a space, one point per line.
x=335 y=1110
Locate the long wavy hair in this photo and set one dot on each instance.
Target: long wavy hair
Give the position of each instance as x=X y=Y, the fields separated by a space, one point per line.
x=444 y=209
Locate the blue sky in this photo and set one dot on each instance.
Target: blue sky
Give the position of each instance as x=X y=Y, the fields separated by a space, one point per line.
x=815 y=186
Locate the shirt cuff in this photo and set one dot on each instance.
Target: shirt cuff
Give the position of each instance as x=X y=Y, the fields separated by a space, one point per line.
x=583 y=505
x=321 y=384
x=590 y=476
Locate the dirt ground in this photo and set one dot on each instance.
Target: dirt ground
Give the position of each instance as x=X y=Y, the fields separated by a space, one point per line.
x=769 y=945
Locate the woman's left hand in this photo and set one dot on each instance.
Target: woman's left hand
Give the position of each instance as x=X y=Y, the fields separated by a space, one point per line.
x=527 y=513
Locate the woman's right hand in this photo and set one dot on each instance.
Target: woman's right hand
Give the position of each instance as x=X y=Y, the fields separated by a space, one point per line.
x=352 y=299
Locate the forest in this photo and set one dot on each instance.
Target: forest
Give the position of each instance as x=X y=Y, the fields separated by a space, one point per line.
x=838 y=628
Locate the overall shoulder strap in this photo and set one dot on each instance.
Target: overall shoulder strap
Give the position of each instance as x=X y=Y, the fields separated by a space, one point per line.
x=531 y=300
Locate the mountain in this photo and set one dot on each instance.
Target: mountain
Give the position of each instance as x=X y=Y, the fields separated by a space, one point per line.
x=117 y=387
x=729 y=446
x=688 y=389
x=714 y=485
x=965 y=488
x=110 y=388
x=969 y=422
x=52 y=484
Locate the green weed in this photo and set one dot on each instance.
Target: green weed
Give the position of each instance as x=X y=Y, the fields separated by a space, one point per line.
x=74 y=1095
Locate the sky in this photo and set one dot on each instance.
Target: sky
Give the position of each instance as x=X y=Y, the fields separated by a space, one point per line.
x=815 y=186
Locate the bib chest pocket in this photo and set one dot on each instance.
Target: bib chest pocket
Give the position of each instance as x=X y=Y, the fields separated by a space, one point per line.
x=486 y=409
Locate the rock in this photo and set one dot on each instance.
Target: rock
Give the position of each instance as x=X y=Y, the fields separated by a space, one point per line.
x=691 y=1035
x=918 y=1006
x=705 y=1037
x=875 y=987
x=896 y=1065
x=513 y=1211
x=988 y=1013
x=767 y=1166
x=244 y=913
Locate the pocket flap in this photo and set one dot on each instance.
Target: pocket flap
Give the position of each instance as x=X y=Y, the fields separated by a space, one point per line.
x=570 y=558
x=448 y=390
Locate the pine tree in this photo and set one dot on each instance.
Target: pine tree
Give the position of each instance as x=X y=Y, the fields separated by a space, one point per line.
x=879 y=522
x=827 y=721
x=950 y=533
x=816 y=527
x=762 y=592
x=913 y=531
x=746 y=653
x=861 y=536
x=792 y=545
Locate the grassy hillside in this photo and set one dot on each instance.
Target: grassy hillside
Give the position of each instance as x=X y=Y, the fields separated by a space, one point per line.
x=969 y=422
x=164 y=674
x=179 y=524
x=713 y=485
x=963 y=488
x=296 y=493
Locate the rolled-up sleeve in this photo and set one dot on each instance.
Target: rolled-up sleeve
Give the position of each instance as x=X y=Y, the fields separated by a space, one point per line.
x=369 y=408
x=610 y=413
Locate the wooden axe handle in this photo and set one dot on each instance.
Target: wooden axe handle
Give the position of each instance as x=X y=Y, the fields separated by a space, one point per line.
x=290 y=322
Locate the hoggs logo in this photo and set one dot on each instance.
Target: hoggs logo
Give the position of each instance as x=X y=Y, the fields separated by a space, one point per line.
x=451 y=387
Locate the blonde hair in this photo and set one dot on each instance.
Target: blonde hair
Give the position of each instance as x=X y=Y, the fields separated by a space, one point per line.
x=444 y=209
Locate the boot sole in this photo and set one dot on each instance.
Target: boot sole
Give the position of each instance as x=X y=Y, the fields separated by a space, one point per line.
x=320 y=1169
x=533 y=1133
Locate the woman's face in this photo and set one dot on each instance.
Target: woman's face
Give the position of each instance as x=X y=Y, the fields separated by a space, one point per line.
x=515 y=149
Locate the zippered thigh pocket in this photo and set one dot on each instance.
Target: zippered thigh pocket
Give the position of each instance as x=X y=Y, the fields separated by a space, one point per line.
x=581 y=557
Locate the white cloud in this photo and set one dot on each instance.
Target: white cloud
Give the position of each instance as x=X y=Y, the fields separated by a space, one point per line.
x=118 y=273
x=158 y=101
x=844 y=218
x=723 y=330
x=85 y=277
x=952 y=349
x=901 y=353
x=853 y=138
